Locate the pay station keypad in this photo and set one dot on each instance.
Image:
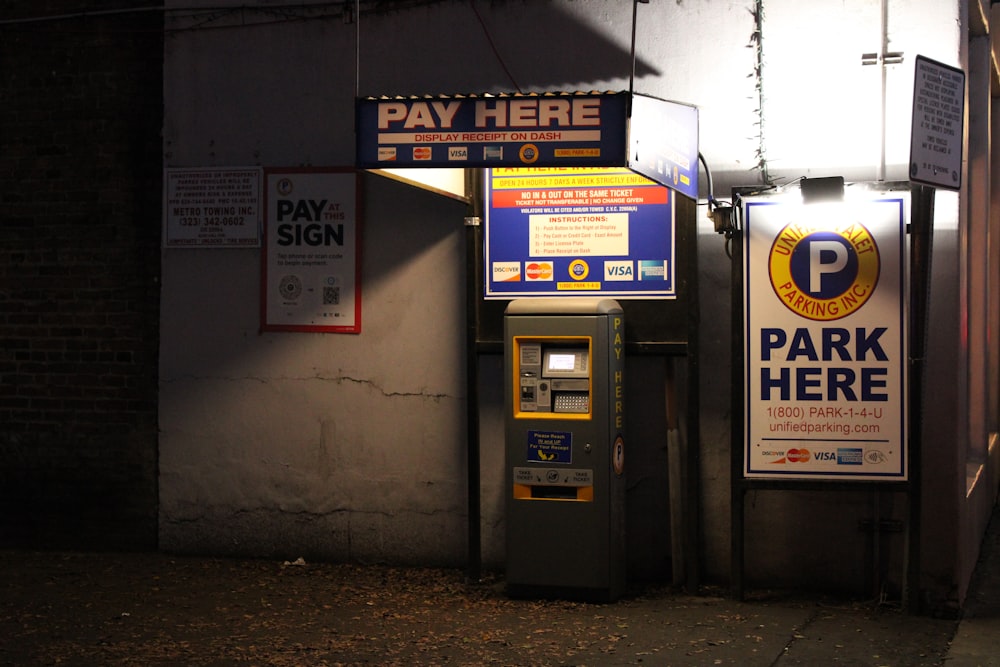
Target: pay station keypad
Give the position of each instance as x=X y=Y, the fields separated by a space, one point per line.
x=571 y=403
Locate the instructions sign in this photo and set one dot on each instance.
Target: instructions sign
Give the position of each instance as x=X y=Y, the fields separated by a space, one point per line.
x=826 y=356
x=491 y=131
x=310 y=276
x=937 y=125
x=215 y=208
x=578 y=232
x=550 y=447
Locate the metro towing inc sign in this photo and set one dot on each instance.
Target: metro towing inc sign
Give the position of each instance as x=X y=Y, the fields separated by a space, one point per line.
x=825 y=339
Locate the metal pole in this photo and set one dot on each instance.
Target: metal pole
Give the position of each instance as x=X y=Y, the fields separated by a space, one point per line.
x=693 y=513
x=473 y=274
x=921 y=242
x=631 y=73
x=737 y=491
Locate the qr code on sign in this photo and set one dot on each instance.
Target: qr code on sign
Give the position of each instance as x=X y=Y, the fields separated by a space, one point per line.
x=331 y=296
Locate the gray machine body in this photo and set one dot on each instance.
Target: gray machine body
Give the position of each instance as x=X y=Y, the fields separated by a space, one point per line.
x=564 y=423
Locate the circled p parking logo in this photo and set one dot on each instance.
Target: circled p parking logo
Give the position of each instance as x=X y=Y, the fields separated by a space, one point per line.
x=821 y=273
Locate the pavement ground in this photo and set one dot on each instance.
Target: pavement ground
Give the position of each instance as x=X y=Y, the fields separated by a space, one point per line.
x=155 y=609
x=159 y=609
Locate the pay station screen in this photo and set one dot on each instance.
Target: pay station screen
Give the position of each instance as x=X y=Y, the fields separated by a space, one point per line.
x=565 y=363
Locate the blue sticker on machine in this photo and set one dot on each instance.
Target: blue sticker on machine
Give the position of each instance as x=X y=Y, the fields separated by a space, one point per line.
x=550 y=447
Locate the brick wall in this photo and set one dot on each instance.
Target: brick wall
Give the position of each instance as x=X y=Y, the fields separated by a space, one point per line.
x=80 y=192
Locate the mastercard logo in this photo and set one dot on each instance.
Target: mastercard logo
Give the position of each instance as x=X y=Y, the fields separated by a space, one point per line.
x=422 y=153
x=797 y=455
x=538 y=271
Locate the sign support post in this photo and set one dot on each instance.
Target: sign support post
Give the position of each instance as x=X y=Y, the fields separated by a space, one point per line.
x=921 y=241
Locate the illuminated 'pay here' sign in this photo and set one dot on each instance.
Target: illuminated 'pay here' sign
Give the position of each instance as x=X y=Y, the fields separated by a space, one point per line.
x=825 y=339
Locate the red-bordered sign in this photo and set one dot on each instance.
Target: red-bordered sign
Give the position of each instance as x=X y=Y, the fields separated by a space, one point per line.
x=311 y=269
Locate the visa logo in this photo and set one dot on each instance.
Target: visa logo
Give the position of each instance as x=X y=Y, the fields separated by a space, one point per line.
x=458 y=152
x=618 y=270
x=825 y=456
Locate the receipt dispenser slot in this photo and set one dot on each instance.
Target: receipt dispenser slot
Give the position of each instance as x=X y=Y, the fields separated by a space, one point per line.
x=564 y=439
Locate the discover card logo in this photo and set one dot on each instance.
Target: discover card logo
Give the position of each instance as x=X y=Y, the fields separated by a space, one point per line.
x=506 y=272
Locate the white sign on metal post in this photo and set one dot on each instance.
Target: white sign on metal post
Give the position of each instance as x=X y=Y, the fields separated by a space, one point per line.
x=937 y=124
x=825 y=348
x=212 y=207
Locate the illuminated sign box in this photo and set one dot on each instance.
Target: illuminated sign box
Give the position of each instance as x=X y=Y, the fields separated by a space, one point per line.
x=826 y=338
x=583 y=231
x=654 y=137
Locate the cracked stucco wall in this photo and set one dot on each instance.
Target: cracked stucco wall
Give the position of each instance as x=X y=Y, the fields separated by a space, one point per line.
x=320 y=445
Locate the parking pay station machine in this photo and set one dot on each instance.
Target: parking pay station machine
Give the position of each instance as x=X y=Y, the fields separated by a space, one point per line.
x=564 y=420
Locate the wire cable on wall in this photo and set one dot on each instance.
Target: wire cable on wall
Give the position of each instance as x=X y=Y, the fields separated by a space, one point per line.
x=493 y=47
x=247 y=15
x=757 y=43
